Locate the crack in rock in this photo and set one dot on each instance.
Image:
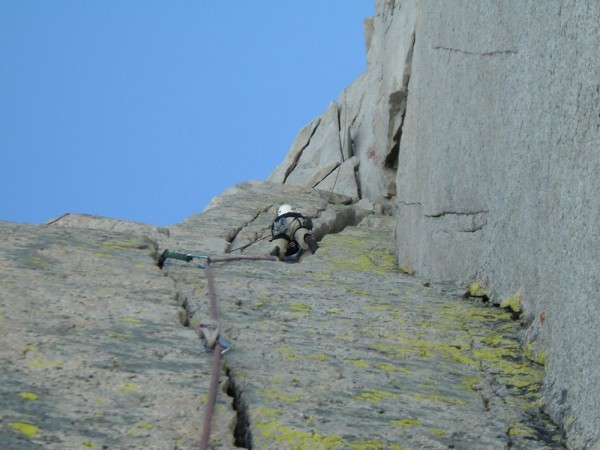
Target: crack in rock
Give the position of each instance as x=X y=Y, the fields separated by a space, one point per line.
x=397 y=104
x=320 y=176
x=509 y=51
x=236 y=231
x=456 y=213
x=298 y=155
x=242 y=433
x=462 y=222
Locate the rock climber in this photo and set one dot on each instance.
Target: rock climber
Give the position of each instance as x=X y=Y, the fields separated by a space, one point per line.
x=290 y=230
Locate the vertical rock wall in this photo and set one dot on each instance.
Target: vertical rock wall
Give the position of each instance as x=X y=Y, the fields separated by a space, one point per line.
x=498 y=175
x=478 y=125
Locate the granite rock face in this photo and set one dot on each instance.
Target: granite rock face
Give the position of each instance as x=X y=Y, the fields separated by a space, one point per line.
x=475 y=130
x=477 y=125
x=319 y=158
x=91 y=352
x=339 y=350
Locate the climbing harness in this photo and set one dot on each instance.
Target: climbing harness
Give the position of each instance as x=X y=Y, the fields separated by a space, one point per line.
x=279 y=226
x=279 y=230
x=210 y=327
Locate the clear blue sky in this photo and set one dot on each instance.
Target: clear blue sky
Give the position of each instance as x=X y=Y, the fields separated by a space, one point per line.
x=146 y=110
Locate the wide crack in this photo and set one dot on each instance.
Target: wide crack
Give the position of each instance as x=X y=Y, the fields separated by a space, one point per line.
x=242 y=435
x=241 y=431
x=294 y=163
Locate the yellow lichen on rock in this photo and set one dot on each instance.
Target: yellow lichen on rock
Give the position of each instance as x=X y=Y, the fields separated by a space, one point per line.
x=28 y=395
x=513 y=302
x=293 y=438
x=25 y=428
x=478 y=289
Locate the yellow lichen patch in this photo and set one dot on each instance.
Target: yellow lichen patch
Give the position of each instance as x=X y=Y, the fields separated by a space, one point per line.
x=539 y=357
x=406 y=269
x=437 y=398
x=521 y=377
x=39 y=261
x=130 y=320
x=394 y=351
x=477 y=289
x=28 y=395
x=358 y=292
x=129 y=387
x=375 y=395
x=318 y=357
x=288 y=437
x=29 y=349
x=301 y=307
x=88 y=444
x=465 y=314
x=513 y=302
x=287 y=352
x=104 y=255
x=518 y=430
x=491 y=352
x=359 y=255
x=471 y=381
x=276 y=395
x=265 y=412
x=392 y=368
x=145 y=426
x=357 y=363
x=43 y=363
x=438 y=432
x=363 y=444
x=406 y=422
x=25 y=428
x=506 y=326
x=569 y=421
x=493 y=340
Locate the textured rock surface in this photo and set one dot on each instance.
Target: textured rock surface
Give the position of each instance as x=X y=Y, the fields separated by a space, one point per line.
x=340 y=350
x=91 y=352
x=521 y=166
x=478 y=125
x=318 y=159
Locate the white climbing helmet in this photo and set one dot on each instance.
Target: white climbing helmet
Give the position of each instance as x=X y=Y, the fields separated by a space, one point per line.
x=284 y=209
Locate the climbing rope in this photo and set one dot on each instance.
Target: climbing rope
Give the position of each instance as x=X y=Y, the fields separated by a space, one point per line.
x=214 y=316
x=245 y=246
